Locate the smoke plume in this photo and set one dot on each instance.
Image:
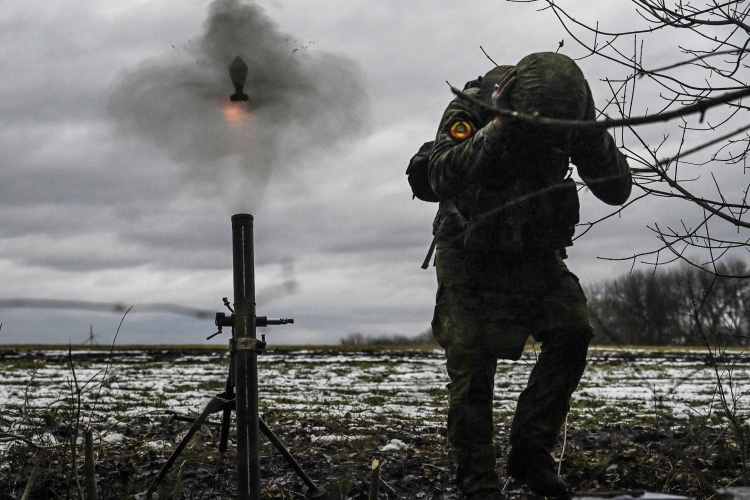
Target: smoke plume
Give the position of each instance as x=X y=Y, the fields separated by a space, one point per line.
x=302 y=103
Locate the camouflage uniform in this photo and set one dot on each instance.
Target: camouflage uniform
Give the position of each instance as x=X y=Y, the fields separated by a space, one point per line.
x=501 y=231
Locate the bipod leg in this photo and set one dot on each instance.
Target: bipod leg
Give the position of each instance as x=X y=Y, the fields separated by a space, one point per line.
x=313 y=490
x=226 y=419
x=215 y=405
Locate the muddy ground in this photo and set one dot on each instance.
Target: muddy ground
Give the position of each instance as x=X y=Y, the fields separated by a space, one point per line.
x=689 y=460
x=659 y=452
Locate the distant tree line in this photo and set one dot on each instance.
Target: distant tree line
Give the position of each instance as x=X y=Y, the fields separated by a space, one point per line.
x=678 y=305
x=682 y=305
x=359 y=339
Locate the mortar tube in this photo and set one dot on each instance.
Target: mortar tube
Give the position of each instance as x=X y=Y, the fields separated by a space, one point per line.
x=246 y=360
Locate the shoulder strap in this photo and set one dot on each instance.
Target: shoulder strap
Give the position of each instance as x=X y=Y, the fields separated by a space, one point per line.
x=426 y=262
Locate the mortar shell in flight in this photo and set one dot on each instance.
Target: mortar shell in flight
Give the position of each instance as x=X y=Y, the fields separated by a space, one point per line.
x=238 y=74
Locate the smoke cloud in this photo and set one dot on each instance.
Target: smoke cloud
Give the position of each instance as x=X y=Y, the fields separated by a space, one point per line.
x=303 y=103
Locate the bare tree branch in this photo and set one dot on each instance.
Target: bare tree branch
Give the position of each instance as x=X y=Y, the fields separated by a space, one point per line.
x=699 y=107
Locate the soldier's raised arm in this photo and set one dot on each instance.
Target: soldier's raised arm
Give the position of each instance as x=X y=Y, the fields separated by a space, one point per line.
x=466 y=143
x=600 y=164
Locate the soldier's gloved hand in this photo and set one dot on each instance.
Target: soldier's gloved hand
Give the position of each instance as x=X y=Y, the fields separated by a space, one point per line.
x=500 y=100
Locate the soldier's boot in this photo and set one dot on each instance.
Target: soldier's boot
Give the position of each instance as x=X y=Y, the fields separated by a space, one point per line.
x=542 y=408
x=538 y=472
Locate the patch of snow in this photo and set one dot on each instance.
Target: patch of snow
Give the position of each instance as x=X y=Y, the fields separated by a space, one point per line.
x=394 y=444
x=113 y=438
x=334 y=438
x=157 y=445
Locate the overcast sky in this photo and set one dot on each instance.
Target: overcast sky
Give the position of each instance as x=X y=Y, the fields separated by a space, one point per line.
x=122 y=164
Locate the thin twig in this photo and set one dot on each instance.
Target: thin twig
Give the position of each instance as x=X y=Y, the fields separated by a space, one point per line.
x=538 y=120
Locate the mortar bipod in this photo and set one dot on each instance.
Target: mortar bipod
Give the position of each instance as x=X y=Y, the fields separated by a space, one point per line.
x=226 y=402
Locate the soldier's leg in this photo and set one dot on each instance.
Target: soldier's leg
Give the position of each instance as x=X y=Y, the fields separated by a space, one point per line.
x=458 y=328
x=565 y=332
x=544 y=404
x=470 y=427
x=542 y=408
x=470 y=423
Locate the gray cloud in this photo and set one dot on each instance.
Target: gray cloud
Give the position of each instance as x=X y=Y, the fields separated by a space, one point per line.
x=119 y=167
x=301 y=104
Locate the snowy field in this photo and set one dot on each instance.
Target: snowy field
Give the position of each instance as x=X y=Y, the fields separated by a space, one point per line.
x=392 y=387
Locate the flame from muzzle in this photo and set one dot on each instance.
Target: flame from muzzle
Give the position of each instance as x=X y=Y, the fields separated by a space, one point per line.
x=237 y=114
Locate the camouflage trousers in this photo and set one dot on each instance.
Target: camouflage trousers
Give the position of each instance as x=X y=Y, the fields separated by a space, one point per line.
x=487 y=306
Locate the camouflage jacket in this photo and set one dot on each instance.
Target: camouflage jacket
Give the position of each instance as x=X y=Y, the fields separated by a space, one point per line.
x=501 y=195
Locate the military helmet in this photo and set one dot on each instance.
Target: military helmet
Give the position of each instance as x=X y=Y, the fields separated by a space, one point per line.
x=551 y=85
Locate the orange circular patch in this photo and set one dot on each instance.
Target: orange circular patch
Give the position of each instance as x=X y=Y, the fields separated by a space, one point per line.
x=460 y=130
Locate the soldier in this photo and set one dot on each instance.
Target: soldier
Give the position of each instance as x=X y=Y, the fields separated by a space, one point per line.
x=508 y=210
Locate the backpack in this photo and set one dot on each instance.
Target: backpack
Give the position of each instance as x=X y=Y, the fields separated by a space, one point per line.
x=419 y=179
